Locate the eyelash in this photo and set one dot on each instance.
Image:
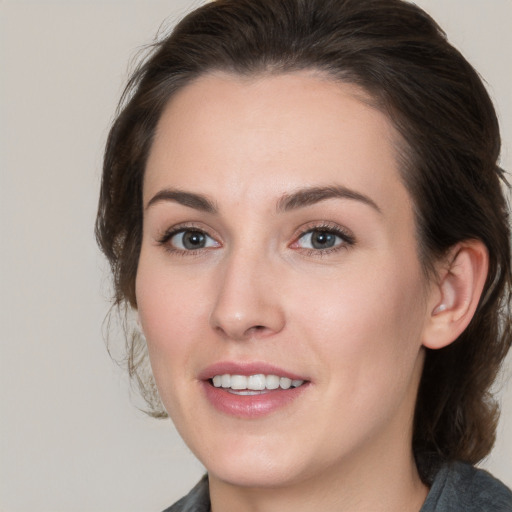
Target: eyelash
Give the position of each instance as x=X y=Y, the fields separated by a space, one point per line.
x=346 y=237
x=164 y=239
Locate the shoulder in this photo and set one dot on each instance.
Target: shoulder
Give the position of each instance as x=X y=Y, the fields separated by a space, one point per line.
x=462 y=487
x=197 y=500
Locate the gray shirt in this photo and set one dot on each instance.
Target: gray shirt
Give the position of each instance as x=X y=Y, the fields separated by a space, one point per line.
x=461 y=487
x=457 y=487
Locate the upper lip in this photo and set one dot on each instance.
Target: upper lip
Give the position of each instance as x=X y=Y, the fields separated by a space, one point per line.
x=246 y=368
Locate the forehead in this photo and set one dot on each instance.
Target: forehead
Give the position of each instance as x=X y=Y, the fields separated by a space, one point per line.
x=272 y=133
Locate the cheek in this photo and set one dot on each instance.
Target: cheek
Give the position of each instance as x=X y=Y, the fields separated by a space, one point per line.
x=368 y=321
x=169 y=312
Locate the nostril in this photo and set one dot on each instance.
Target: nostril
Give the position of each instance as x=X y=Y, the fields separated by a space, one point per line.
x=256 y=330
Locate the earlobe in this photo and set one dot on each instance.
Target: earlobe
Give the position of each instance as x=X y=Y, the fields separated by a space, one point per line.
x=455 y=296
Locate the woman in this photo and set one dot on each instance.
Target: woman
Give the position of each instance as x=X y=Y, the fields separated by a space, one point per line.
x=301 y=201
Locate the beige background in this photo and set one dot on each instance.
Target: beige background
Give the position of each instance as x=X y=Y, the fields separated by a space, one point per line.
x=70 y=439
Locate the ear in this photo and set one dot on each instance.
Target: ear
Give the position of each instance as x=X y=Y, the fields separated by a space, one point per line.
x=453 y=299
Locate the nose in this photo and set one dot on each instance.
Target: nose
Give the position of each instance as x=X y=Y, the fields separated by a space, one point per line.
x=248 y=302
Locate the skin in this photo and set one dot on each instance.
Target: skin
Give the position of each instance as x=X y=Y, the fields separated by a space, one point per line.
x=352 y=319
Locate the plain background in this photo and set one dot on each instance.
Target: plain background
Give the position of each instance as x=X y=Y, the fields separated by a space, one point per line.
x=71 y=438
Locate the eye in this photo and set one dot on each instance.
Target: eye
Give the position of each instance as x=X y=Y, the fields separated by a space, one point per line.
x=189 y=240
x=317 y=239
x=324 y=239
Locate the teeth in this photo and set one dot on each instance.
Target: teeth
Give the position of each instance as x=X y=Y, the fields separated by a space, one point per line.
x=238 y=382
x=272 y=382
x=257 y=382
x=285 y=383
x=226 y=381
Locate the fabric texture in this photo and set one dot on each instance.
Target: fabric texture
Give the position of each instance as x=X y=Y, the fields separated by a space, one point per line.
x=457 y=487
x=197 y=500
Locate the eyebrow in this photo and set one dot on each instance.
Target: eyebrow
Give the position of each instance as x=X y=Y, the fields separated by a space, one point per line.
x=312 y=195
x=298 y=199
x=190 y=199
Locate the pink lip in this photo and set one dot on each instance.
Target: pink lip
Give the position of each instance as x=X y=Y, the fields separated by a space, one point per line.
x=249 y=406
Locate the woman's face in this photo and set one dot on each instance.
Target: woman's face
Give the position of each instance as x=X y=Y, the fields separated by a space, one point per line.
x=280 y=242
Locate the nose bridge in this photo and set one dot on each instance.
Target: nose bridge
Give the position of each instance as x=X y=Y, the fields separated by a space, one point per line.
x=247 y=303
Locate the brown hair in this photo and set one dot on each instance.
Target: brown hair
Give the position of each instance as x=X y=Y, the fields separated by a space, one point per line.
x=451 y=143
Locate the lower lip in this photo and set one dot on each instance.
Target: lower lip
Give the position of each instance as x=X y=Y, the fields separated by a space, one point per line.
x=251 y=406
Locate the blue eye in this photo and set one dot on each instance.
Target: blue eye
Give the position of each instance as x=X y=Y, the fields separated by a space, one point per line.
x=190 y=240
x=321 y=239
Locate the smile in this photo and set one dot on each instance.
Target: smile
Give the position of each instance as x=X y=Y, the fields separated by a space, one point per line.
x=253 y=384
x=252 y=390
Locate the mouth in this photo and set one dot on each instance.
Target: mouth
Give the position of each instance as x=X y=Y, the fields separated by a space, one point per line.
x=250 y=385
x=251 y=390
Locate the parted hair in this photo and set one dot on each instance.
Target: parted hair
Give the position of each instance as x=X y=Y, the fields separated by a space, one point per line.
x=448 y=157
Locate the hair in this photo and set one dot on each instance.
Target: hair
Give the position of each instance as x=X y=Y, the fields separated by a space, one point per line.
x=450 y=144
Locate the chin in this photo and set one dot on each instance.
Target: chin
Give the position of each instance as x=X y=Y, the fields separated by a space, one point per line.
x=258 y=463
x=243 y=471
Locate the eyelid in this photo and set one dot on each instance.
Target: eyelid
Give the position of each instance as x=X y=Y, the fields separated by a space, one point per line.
x=163 y=238
x=347 y=237
x=343 y=233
